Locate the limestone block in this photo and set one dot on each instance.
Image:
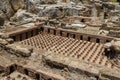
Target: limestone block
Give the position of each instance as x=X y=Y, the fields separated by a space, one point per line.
x=19 y=50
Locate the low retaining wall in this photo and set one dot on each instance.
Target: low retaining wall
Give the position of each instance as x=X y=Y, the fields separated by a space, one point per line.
x=37 y=75
x=77 y=35
x=25 y=33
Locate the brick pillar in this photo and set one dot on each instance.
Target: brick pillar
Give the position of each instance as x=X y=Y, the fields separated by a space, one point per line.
x=72 y=35
x=17 y=37
x=29 y=34
x=20 y=69
x=34 y=32
x=85 y=38
x=51 y=31
x=58 y=32
x=93 y=39
x=23 y=36
x=77 y=36
x=45 y=30
x=64 y=1
x=64 y=34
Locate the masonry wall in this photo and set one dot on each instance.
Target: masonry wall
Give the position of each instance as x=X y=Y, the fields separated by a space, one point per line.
x=60 y=32
x=25 y=34
x=77 y=35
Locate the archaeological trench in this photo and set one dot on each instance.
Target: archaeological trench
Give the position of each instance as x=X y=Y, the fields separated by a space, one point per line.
x=59 y=39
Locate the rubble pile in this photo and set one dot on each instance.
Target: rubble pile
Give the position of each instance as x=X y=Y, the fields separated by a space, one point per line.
x=22 y=15
x=113 y=47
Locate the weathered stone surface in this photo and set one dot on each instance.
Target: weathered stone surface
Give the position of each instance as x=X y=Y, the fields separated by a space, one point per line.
x=109 y=5
x=115 y=19
x=75 y=65
x=3 y=36
x=16 y=4
x=5 y=9
x=23 y=16
x=59 y=11
x=19 y=50
x=10 y=40
x=9 y=7
x=3 y=42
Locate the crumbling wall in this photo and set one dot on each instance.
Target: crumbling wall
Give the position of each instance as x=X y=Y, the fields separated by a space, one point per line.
x=19 y=50
x=112 y=51
x=15 y=49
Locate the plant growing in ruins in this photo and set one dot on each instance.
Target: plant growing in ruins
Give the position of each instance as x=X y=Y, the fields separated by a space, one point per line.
x=116 y=1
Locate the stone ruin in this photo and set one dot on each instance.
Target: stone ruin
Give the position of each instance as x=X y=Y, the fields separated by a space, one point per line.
x=113 y=47
x=59 y=40
x=16 y=49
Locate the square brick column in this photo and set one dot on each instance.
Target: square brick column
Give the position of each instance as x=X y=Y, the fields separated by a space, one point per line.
x=64 y=34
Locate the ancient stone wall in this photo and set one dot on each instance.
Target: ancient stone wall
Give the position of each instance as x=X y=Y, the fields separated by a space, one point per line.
x=77 y=35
